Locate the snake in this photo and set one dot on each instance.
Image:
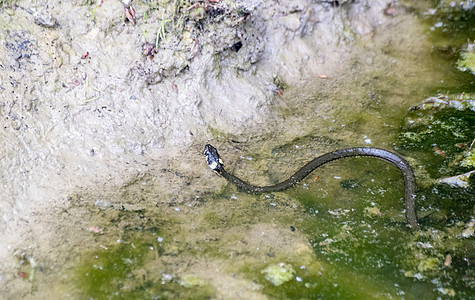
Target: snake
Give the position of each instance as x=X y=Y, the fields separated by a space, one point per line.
x=216 y=164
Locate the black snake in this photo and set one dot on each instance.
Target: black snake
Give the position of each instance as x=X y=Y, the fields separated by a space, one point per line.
x=215 y=163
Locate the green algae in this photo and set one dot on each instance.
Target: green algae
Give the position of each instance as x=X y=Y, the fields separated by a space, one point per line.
x=359 y=234
x=339 y=230
x=132 y=268
x=352 y=231
x=467 y=60
x=106 y=270
x=449 y=27
x=279 y=273
x=439 y=133
x=469 y=160
x=310 y=279
x=361 y=254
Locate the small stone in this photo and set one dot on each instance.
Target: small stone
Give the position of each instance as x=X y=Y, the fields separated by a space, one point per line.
x=44 y=19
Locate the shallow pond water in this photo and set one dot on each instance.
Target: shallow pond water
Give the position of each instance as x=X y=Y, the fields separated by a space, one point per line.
x=175 y=232
x=342 y=231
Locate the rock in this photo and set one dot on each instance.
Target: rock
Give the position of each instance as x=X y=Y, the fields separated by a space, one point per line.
x=44 y=19
x=458 y=180
x=291 y=22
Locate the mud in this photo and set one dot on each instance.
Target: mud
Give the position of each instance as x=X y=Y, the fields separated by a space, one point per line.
x=85 y=112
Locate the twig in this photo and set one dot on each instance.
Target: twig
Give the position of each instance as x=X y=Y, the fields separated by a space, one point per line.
x=471 y=145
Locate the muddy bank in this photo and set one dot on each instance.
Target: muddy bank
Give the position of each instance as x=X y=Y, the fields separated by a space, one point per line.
x=84 y=110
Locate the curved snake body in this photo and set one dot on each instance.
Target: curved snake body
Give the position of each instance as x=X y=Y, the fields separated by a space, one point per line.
x=215 y=163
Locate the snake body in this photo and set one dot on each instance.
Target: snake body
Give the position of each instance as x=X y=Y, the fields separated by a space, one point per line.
x=216 y=164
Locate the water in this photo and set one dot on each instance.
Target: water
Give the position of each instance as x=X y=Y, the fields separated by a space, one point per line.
x=342 y=230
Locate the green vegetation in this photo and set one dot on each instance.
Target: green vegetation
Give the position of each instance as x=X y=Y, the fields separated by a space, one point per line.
x=93 y=11
x=467 y=59
x=132 y=269
x=439 y=134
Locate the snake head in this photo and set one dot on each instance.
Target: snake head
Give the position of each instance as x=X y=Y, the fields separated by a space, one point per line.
x=212 y=158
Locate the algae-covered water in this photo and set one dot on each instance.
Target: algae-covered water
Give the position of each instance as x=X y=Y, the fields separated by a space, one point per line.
x=340 y=234
x=391 y=77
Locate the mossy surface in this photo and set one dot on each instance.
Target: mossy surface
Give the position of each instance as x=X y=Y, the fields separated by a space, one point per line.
x=439 y=133
x=133 y=269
